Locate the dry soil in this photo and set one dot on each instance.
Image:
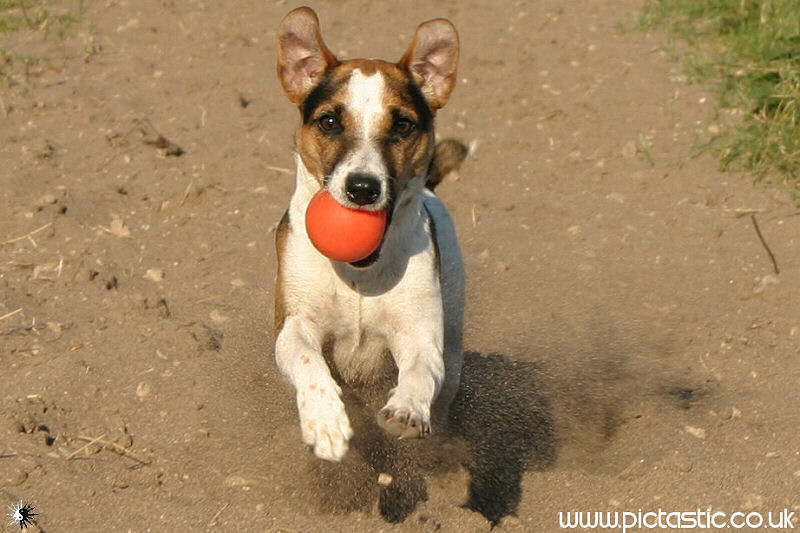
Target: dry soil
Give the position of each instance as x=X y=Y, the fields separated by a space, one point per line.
x=138 y=390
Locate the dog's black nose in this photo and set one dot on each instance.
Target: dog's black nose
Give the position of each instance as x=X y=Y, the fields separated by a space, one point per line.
x=362 y=189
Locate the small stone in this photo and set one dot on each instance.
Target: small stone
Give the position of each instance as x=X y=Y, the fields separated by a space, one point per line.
x=384 y=480
x=217 y=317
x=26 y=424
x=700 y=433
x=142 y=390
x=238 y=283
x=766 y=281
x=118 y=228
x=126 y=441
x=154 y=274
x=47 y=199
x=574 y=230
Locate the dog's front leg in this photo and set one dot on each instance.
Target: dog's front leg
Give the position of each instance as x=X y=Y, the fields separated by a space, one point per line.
x=407 y=413
x=323 y=421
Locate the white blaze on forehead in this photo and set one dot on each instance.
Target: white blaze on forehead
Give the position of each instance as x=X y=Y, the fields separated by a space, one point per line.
x=365 y=101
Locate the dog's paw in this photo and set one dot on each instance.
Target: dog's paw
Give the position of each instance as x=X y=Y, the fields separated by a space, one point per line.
x=405 y=420
x=323 y=421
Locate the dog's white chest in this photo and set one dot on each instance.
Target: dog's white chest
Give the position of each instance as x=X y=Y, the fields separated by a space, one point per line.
x=355 y=325
x=364 y=312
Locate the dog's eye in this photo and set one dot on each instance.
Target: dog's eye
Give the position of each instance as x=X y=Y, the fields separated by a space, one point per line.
x=403 y=127
x=329 y=124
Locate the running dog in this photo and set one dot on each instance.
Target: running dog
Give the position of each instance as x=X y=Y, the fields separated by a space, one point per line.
x=367 y=137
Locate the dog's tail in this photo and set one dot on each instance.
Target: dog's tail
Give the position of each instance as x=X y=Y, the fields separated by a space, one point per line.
x=447 y=157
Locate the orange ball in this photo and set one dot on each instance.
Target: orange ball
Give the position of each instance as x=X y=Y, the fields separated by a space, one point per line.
x=341 y=233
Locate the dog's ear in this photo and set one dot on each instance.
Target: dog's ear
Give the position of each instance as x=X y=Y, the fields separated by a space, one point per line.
x=432 y=59
x=303 y=57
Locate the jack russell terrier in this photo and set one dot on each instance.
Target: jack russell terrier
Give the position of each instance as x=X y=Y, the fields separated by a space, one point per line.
x=367 y=136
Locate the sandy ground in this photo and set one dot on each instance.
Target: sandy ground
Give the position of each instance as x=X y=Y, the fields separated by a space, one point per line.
x=623 y=276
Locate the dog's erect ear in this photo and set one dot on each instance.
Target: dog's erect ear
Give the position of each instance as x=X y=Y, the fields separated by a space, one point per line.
x=302 y=54
x=432 y=59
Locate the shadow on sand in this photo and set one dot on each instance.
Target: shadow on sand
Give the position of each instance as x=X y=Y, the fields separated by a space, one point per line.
x=503 y=412
x=501 y=424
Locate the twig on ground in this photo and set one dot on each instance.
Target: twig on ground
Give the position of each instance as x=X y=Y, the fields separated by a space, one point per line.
x=121 y=450
x=12 y=313
x=186 y=194
x=85 y=446
x=766 y=246
x=743 y=212
x=282 y=170
x=213 y=521
x=27 y=235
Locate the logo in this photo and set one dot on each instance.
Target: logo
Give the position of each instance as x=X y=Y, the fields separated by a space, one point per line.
x=22 y=514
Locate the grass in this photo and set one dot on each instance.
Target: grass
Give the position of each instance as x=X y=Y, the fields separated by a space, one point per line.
x=750 y=50
x=45 y=17
x=31 y=14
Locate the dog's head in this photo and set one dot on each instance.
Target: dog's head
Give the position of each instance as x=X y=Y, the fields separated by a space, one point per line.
x=367 y=125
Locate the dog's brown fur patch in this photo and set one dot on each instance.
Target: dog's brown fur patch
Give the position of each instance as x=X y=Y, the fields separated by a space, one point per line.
x=404 y=158
x=448 y=156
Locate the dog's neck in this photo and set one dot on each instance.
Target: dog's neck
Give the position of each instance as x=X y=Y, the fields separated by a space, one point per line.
x=405 y=236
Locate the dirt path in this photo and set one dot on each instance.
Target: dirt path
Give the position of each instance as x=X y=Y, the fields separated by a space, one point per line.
x=595 y=247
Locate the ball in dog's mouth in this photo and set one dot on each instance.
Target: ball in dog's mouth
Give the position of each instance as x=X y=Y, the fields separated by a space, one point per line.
x=344 y=234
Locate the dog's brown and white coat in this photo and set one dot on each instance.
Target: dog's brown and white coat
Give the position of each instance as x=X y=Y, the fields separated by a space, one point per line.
x=367 y=136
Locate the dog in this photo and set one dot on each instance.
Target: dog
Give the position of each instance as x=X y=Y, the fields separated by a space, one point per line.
x=367 y=136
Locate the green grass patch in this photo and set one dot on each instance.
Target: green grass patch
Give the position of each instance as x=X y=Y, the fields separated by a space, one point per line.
x=48 y=18
x=751 y=50
x=34 y=15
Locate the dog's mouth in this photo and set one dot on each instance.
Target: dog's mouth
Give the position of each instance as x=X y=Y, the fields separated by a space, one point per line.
x=371 y=258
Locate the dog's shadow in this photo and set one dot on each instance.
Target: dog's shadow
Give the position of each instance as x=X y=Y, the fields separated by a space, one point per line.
x=504 y=414
x=500 y=425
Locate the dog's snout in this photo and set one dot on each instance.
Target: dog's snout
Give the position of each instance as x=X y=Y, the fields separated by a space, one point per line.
x=362 y=189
